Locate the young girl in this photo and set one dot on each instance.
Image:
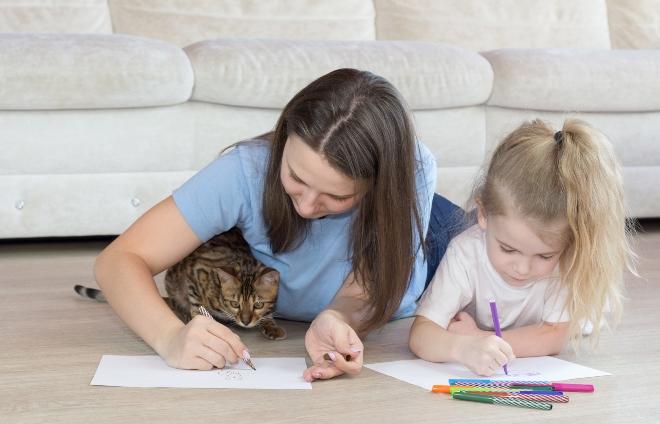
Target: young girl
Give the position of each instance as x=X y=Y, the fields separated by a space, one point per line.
x=550 y=247
x=314 y=200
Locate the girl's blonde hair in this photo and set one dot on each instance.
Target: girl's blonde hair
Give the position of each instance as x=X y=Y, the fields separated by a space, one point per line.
x=572 y=176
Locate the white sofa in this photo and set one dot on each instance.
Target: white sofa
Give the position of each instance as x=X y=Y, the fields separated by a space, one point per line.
x=106 y=106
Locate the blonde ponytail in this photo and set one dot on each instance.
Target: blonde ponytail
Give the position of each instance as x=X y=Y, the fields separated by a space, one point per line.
x=599 y=248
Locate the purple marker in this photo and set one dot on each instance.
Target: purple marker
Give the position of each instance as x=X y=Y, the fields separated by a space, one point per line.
x=496 y=326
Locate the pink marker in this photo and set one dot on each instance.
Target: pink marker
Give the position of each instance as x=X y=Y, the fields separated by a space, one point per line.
x=560 y=387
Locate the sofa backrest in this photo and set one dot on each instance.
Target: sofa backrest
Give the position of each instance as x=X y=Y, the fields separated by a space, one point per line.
x=55 y=16
x=634 y=24
x=492 y=24
x=186 y=22
x=475 y=24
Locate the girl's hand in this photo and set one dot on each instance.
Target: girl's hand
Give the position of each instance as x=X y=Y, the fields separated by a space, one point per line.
x=330 y=336
x=201 y=345
x=463 y=323
x=484 y=355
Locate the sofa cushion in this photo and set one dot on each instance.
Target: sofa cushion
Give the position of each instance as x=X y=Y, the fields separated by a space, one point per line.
x=634 y=24
x=90 y=71
x=576 y=80
x=185 y=22
x=90 y=16
x=493 y=24
x=267 y=73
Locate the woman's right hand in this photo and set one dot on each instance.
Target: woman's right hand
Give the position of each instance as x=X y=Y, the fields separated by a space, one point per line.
x=484 y=355
x=201 y=345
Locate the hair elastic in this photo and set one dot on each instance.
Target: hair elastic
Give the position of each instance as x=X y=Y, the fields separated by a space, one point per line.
x=559 y=137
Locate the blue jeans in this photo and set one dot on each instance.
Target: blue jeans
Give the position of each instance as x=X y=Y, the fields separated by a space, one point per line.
x=447 y=220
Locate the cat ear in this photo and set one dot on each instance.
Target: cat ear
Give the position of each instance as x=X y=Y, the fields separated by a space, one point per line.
x=268 y=277
x=226 y=274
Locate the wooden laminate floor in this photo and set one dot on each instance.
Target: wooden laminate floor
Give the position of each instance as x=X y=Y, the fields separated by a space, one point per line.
x=51 y=342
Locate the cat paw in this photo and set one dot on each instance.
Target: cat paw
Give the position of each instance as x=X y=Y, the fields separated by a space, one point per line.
x=273 y=333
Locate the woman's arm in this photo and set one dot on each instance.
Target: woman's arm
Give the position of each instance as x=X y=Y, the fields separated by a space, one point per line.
x=351 y=303
x=332 y=334
x=530 y=340
x=124 y=270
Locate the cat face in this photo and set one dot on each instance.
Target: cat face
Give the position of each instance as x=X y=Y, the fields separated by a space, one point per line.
x=245 y=303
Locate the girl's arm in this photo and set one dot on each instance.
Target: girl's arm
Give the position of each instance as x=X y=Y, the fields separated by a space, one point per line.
x=530 y=340
x=124 y=270
x=483 y=355
x=538 y=340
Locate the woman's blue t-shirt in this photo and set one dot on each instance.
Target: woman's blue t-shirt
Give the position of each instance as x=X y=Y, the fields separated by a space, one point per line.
x=228 y=193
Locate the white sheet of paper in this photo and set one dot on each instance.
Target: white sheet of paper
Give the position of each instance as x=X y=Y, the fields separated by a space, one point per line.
x=425 y=374
x=151 y=371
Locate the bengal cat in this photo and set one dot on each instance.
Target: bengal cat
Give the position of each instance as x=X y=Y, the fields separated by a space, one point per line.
x=224 y=277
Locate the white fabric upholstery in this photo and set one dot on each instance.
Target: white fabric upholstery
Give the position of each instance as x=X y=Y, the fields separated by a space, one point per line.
x=445 y=131
x=80 y=204
x=494 y=24
x=96 y=126
x=98 y=140
x=185 y=22
x=89 y=16
x=241 y=72
x=83 y=71
x=576 y=79
x=219 y=126
x=634 y=24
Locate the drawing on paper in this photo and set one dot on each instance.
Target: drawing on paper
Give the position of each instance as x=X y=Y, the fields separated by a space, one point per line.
x=516 y=373
x=231 y=375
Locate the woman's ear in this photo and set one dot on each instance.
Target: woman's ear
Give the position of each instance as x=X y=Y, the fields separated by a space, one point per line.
x=481 y=214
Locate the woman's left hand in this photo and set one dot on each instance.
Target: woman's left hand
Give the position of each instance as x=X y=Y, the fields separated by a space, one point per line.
x=329 y=342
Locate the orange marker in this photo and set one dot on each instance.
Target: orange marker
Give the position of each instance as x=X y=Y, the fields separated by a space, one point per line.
x=440 y=388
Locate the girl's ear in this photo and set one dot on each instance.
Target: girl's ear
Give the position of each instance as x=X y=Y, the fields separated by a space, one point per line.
x=481 y=215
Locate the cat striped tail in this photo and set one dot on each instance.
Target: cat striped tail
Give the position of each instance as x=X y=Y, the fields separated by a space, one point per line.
x=90 y=293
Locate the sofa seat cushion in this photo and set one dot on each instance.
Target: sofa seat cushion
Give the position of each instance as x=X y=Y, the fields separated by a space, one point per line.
x=90 y=71
x=576 y=79
x=267 y=73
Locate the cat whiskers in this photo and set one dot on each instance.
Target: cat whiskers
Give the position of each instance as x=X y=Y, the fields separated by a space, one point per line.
x=267 y=316
x=229 y=317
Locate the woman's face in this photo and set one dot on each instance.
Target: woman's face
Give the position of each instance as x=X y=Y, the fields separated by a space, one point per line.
x=316 y=189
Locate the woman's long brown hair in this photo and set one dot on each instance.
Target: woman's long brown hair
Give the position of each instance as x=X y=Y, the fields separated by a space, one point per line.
x=358 y=122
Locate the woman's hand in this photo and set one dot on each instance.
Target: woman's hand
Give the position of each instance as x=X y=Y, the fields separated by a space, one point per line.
x=483 y=355
x=201 y=345
x=329 y=341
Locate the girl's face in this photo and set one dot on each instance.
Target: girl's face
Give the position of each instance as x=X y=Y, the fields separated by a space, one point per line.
x=515 y=250
x=316 y=189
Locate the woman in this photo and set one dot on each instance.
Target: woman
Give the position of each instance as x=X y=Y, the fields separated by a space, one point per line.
x=336 y=198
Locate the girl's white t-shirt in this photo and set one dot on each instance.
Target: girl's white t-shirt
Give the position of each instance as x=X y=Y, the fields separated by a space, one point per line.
x=466 y=281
